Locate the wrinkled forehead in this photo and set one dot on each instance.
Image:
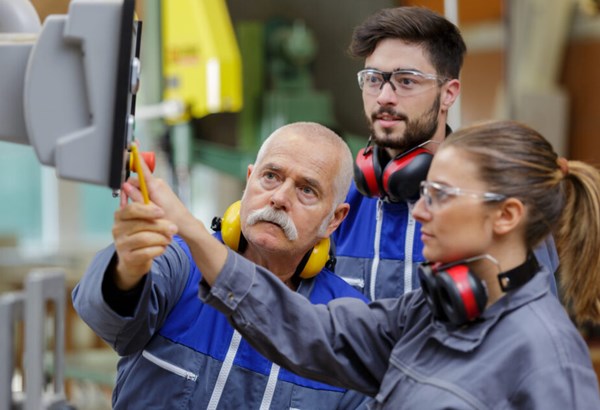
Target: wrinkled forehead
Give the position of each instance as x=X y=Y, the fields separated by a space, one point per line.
x=307 y=156
x=290 y=143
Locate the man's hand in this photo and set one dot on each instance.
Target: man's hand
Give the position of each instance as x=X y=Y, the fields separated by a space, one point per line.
x=161 y=195
x=208 y=253
x=140 y=234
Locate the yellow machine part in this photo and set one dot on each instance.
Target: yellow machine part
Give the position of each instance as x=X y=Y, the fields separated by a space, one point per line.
x=202 y=64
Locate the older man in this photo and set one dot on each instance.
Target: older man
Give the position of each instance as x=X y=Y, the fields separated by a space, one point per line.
x=140 y=294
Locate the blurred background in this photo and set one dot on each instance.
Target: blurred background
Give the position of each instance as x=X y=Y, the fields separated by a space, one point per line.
x=281 y=61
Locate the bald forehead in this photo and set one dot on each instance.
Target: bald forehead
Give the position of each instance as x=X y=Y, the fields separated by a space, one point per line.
x=314 y=136
x=287 y=137
x=310 y=132
x=308 y=149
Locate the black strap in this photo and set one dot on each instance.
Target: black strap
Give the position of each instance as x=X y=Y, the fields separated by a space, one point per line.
x=296 y=276
x=520 y=275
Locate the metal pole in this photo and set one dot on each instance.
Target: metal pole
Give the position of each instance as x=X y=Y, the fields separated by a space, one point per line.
x=43 y=286
x=11 y=312
x=454 y=114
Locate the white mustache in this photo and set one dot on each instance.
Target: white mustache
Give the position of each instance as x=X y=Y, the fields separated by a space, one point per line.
x=280 y=218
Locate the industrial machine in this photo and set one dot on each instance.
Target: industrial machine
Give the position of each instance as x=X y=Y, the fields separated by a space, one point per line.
x=202 y=66
x=68 y=90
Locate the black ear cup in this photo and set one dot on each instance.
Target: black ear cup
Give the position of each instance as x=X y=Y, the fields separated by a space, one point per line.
x=398 y=179
x=403 y=175
x=429 y=288
x=231 y=232
x=453 y=292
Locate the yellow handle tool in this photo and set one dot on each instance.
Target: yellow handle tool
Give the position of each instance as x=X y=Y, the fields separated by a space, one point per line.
x=137 y=167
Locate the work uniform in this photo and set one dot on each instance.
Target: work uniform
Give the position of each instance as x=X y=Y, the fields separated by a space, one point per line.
x=524 y=352
x=179 y=353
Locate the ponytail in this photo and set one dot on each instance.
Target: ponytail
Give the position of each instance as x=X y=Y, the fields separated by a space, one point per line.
x=578 y=239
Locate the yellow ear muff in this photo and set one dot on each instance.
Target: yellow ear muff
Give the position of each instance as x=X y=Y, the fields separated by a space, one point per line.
x=231 y=232
x=231 y=226
x=317 y=259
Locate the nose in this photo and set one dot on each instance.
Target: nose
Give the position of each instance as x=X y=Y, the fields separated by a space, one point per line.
x=281 y=196
x=420 y=211
x=387 y=95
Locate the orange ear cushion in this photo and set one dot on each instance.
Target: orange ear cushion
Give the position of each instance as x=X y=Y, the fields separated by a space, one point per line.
x=231 y=232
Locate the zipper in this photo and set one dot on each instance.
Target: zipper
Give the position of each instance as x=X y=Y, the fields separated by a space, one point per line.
x=170 y=367
x=356 y=282
x=408 y=249
x=236 y=338
x=376 y=248
x=270 y=389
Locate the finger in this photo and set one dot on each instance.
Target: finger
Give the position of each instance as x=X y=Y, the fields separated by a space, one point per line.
x=147 y=252
x=140 y=257
x=142 y=164
x=147 y=173
x=133 y=191
x=142 y=239
x=134 y=181
x=141 y=248
x=123 y=198
x=146 y=216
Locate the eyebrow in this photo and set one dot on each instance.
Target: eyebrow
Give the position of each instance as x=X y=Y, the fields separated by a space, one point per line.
x=395 y=69
x=270 y=166
x=312 y=182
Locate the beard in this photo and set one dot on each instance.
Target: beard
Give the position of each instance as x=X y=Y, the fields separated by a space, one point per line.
x=416 y=132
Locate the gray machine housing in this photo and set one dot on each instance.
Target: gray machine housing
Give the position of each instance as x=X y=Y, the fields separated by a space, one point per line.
x=63 y=90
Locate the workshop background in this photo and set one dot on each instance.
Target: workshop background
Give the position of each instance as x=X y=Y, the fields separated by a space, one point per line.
x=281 y=60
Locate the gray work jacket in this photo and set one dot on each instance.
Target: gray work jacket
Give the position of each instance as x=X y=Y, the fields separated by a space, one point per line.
x=523 y=353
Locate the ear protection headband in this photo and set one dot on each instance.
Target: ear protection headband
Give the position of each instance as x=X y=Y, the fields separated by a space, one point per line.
x=456 y=295
x=231 y=231
x=376 y=175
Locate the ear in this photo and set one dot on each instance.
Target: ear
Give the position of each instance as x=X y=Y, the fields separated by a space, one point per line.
x=339 y=215
x=509 y=216
x=249 y=171
x=450 y=93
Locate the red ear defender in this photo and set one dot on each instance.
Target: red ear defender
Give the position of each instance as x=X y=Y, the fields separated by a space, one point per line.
x=402 y=175
x=398 y=179
x=453 y=292
x=367 y=172
x=462 y=295
x=456 y=295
